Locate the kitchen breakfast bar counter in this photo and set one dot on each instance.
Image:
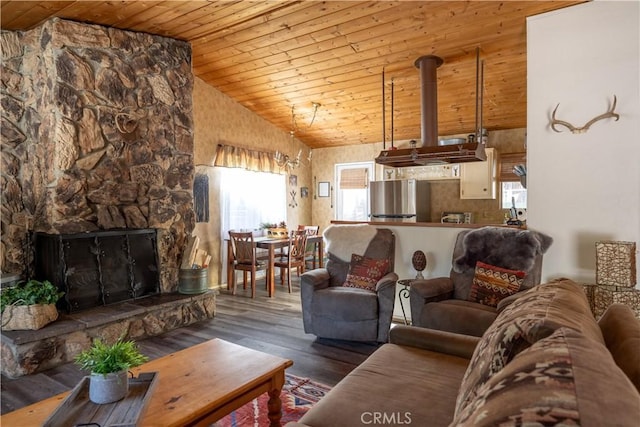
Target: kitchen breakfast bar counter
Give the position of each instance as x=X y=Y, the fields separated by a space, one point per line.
x=435 y=239
x=425 y=224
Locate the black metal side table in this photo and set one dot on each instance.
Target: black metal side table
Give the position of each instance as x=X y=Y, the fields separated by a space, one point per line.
x=404 y=294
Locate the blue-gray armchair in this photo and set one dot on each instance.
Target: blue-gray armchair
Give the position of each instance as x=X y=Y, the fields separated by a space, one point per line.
x=457 y=303
x=355 y=313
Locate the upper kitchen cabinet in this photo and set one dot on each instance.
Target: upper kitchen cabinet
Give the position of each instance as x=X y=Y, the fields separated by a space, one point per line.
x=478 y=179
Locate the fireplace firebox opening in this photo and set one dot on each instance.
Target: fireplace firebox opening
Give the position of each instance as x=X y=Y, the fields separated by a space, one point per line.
x=99 y=268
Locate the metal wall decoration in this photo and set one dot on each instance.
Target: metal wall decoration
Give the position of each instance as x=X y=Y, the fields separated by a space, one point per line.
x=315 y=187
x=609 y=114
x=292 y=202
x=201 y=197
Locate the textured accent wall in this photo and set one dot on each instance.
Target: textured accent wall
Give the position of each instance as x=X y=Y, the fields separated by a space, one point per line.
x=97 y=133
x=324 y=163
x=220 y=120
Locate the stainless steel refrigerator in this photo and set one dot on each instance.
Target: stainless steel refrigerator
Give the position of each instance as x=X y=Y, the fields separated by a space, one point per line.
x=404 y=200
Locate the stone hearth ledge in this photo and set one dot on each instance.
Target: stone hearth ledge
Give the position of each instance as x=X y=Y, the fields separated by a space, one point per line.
x=28 y=352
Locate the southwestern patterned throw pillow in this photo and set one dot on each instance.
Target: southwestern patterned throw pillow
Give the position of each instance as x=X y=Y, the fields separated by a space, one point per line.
x=364 y=272
x=491 y=284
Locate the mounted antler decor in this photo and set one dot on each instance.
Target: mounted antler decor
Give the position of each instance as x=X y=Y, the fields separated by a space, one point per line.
x=584 y=128
x=127 y=120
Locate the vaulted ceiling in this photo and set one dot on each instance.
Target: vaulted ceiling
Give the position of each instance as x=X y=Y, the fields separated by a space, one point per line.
x=275 y=57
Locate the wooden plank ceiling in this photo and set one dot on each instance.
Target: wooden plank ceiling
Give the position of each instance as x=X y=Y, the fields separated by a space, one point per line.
x=272 y=56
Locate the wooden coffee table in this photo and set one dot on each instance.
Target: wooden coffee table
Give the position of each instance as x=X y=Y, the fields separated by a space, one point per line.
x=196 y=386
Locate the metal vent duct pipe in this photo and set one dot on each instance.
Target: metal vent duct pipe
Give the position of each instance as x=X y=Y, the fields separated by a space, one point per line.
x=430 y=153
x=427 y=66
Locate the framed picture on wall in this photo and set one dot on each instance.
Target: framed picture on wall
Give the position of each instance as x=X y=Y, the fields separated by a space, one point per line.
x=323 y=189
x=304 y=192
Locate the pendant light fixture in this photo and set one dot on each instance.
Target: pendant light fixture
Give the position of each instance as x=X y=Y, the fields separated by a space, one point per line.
x=283 y=160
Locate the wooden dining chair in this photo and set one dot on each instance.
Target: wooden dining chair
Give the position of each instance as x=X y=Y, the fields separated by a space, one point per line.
x=311 y=249
x=294 y=257
x=245 y=259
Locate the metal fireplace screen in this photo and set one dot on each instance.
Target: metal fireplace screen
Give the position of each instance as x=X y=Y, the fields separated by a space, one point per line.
x=99 y=268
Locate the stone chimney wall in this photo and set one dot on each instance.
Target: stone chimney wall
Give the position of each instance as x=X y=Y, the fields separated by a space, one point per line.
x=97 y=133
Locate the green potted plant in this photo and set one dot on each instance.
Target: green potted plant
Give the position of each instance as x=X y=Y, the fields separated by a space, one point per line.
x=275 y=230
x=108 y=365
x=29 y=305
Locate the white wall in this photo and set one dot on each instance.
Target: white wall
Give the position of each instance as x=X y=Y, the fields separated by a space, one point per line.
x=584 y=187
x=437 y=244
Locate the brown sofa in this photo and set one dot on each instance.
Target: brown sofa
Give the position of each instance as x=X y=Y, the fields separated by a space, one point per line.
x=545 y=359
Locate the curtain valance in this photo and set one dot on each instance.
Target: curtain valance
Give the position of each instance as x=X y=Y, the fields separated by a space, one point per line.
x=237 y=157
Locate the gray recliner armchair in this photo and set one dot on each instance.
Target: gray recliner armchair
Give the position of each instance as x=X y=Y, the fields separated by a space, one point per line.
x=331 y=310
x=443 y=302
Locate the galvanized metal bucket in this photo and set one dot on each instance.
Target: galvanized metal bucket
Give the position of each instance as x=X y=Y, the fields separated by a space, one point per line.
x=193 y=281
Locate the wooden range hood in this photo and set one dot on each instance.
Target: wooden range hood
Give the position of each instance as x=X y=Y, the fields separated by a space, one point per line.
x=430 y=153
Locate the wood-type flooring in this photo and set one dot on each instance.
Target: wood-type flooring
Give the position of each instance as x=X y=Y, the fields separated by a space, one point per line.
x=271 y=325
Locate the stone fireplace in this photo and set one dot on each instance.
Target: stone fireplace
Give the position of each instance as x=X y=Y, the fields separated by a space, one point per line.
x=97 y=144
x=97 y=134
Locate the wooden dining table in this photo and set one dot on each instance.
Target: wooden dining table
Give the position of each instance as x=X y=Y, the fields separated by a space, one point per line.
x=271 y=244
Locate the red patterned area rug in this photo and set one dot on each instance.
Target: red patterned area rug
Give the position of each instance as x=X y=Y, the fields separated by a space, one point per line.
x=298 y=396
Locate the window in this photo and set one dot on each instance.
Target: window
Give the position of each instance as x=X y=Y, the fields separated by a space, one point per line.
x=248 y=199
x=512 y=192
x=352 y=195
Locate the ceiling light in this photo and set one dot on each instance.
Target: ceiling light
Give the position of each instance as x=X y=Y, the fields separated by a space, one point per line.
x=283 y=160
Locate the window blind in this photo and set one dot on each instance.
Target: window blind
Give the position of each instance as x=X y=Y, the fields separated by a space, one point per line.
x=507 y=162
x=356 y=178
